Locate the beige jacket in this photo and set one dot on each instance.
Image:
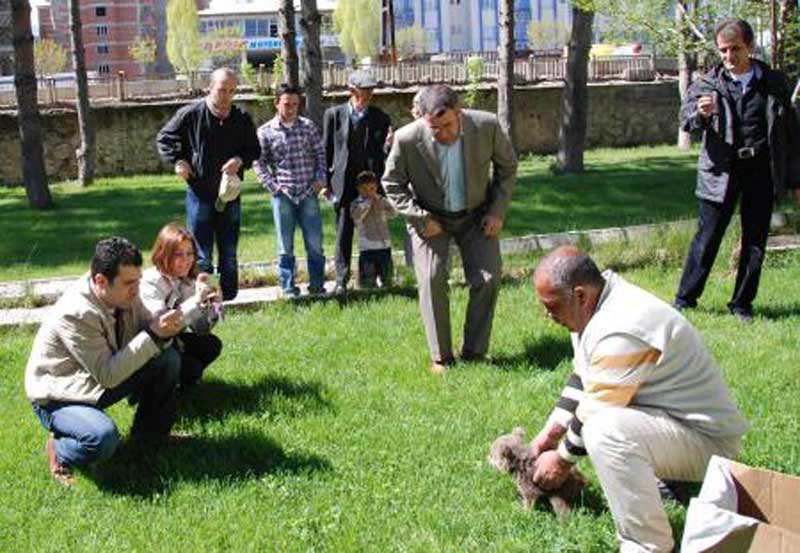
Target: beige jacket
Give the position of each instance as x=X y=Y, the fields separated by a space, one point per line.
x=413 y=181
x=75 y=355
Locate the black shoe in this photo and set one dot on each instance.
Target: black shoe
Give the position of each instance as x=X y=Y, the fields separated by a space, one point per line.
x=745 y=316
x=340 y=290
x=673 y=490
x=680 y=305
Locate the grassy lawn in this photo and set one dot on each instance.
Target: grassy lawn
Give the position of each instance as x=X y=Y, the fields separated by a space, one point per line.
x=620 y=187
x=321 y=429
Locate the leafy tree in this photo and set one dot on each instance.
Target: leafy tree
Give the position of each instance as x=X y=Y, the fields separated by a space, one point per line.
x=547 y=34
x=278 y=70
x=224 y=46
x=183 y=36
x=474 y=65
x=143 y=50
x=50 y=57
x=30 y=132
x=86 y=152
x=358 y=23
x=412 y=40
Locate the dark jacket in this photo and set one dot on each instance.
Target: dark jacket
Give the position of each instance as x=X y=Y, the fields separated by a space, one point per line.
x=717 y=153
x=335 y=133
x=195 y=135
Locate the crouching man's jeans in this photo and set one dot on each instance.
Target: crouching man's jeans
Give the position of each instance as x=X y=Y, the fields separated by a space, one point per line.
x=84 y=434
x=630 y=448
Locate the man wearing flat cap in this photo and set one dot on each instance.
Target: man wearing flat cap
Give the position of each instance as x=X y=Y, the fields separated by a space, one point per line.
x=357 y=137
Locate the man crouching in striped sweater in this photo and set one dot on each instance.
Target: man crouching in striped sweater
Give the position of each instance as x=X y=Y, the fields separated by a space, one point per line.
x=645 y=400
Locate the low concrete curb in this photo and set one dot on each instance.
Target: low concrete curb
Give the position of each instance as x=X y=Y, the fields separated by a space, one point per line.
x=52 y=288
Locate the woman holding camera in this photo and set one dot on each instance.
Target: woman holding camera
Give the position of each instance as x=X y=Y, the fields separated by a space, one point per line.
x=174 y=282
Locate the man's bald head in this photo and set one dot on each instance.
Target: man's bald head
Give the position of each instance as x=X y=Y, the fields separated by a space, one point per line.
x=223 y=73
x=567 y=267
x=221 y=91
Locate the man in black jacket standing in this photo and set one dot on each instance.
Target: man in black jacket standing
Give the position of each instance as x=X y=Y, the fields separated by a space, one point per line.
x=357 y=137
x=750 y=149
x=203 y=141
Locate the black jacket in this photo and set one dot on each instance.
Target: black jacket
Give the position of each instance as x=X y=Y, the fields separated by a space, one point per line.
x=195 y=135
x=717 y=153
x=335 y=132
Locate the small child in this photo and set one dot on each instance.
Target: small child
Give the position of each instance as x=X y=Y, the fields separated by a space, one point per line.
x=371 y=213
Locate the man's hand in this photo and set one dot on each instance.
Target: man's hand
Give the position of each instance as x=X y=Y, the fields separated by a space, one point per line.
x=167 y=324
x=232 y=166
x=183 y=169
x=706 y=106
x=317 y=187
x=389 y=139
x=551 y=470
x=547 y=439
x=491 y=225
x=432 y=228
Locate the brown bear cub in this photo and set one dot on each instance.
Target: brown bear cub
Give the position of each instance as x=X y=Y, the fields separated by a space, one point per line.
x=510 y=453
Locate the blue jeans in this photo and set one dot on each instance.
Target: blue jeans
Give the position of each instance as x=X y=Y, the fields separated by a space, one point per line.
x=208 y=224
x=84 y=434
x=287 y=214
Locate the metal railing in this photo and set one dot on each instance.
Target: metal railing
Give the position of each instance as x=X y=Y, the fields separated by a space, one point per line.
x=530 y=70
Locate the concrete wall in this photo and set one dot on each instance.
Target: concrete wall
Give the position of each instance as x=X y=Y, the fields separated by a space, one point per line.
x=619 y=115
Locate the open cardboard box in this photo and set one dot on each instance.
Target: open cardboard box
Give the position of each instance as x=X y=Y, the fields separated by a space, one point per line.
x=743 y=509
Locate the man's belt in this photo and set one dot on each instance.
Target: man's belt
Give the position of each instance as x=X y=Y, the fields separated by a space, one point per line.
x=748 y=152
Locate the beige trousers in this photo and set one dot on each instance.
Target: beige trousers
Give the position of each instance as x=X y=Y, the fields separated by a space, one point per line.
x=631 y=447
x=482 y=269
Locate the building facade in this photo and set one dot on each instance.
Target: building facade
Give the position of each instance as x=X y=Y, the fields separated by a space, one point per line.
x=257 y=24
x=472 y=25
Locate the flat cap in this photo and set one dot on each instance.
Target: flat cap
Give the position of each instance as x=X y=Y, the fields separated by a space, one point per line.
x=361 y=79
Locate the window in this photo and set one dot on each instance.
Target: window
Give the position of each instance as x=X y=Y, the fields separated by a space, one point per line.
x=102 y=48
x=104 y=69
x=100 y=11
x=273 y=28
x=102 y=30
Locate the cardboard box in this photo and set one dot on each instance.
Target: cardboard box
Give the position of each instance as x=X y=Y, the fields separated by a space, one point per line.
x=744 y=509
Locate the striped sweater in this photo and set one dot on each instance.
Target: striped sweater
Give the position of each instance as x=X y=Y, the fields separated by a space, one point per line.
x=638 y=351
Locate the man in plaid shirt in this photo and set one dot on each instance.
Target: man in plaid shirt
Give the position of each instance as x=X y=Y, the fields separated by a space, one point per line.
x=292 y=169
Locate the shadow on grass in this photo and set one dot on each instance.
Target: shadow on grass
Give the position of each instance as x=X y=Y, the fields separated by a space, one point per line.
x=215 y=399
x=137 y=469
x=546 y=353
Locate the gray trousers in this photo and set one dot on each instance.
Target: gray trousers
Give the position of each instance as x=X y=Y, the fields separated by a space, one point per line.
x=482 y=268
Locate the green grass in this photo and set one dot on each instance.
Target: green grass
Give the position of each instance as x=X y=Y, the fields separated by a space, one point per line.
x=321 y=429
x=620 y=187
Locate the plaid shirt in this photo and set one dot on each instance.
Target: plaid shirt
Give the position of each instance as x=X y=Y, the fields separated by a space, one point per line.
x=292 y=158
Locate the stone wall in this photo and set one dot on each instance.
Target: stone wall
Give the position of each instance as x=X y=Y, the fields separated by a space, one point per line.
x=619 y=115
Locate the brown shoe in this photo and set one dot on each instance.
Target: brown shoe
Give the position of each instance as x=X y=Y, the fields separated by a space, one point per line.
x=440 y=367
x=60 y=473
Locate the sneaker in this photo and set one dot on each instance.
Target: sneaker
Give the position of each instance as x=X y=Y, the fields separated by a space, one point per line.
x=340 y=290
x=440 y=367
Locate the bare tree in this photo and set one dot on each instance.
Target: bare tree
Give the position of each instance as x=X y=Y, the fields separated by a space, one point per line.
x=30 y=134
x=505 y=75
x=310 y=22
x=288 y=46
x=575 y=101
x=86 y=151
x=687 y=60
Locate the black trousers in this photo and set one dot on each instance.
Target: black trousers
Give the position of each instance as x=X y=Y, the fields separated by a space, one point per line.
x=344 y=242
x=749 y=180
x=199 y=351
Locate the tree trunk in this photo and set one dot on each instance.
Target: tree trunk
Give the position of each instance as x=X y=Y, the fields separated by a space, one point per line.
x=505 y=74
x=575 y=102
x=85 y=153
x=288 y=46
x=30 y=133
x=309 y=26
x=687 y=64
